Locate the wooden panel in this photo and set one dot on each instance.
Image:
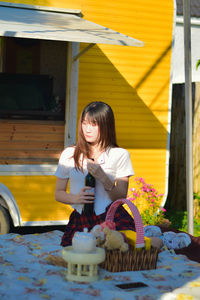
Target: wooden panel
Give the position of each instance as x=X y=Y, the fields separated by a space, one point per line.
x=29 y=145
x=30 y=142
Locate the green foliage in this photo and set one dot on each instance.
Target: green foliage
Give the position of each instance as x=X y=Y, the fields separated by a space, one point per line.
x=197 y=64
x=179 y=221
x=152 y=219
x=196 y=196
x=148 y=201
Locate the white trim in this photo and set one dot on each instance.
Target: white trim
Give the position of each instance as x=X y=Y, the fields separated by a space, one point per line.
x=68 y=90
x=51 y=25
x=13 y=208
x=194 y=21
x=178 y=63
x=72 y=94
x=44 y=223
x=29 y=170
x=40 y=7
x=169 y=113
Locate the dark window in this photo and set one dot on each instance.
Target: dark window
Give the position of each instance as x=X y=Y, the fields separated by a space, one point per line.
x=33 y=79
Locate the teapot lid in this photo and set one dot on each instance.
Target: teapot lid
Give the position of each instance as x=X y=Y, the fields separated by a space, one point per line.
x=84 y=234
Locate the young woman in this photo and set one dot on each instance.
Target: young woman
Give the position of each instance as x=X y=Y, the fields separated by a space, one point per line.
x=111 y=166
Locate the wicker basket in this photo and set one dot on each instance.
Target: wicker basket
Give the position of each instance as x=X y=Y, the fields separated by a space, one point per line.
x=132 y=260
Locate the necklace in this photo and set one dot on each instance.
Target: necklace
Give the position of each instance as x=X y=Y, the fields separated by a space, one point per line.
x=97 y=154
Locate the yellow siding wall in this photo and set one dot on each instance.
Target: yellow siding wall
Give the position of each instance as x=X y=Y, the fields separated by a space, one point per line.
x=35 y=198
x=134 y=81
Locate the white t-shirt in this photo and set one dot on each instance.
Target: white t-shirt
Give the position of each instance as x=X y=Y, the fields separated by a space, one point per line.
x=115 y=162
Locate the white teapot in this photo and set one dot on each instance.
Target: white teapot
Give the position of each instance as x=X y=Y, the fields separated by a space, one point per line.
x=84 y=242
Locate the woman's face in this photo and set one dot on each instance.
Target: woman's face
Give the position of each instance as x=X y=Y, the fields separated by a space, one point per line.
x=90 y=131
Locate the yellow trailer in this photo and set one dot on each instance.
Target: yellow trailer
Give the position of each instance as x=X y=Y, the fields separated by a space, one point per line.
x=53 y=61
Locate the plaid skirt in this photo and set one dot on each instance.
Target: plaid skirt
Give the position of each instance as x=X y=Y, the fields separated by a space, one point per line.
x=78 y=222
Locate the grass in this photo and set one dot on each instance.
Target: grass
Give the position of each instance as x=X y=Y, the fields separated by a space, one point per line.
x=179 y=221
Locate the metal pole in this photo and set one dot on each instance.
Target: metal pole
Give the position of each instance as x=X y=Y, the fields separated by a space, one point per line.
x=188 y=115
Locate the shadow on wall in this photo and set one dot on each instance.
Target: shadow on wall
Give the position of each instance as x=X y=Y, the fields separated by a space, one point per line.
x=137 y=126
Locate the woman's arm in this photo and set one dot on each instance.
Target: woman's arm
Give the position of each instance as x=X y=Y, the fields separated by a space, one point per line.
x=118 y=190
x=62 y=196
x=115 y=190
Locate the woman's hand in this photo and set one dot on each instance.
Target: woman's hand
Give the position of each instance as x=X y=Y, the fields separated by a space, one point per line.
x=115 y=190
x=84 y=196
x=95 y=169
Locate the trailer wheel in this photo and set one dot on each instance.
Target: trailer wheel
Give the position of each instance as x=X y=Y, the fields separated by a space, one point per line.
x=4 y=220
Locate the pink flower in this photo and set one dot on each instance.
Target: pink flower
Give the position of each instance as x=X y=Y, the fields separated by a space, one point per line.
x=149 y=185
x=139 y=179
x=136 y=194
x=131 y=198
x=163 y=209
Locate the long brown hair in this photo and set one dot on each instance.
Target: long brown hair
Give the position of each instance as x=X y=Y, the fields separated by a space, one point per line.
x=100 y=113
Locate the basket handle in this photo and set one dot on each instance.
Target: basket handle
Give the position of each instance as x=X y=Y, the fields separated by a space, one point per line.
x=137 y=218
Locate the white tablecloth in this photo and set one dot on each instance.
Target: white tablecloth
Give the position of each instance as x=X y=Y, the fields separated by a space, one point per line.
x=25 y=273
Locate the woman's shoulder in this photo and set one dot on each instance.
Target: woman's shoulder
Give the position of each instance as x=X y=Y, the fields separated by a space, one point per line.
x=68 y=152
x=119 y=151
